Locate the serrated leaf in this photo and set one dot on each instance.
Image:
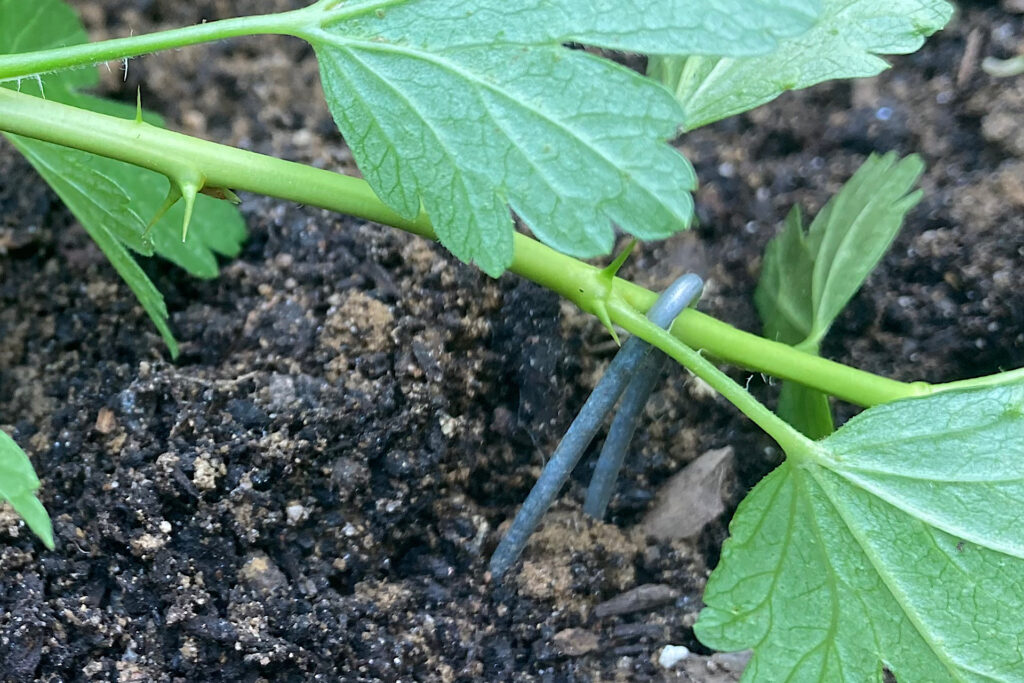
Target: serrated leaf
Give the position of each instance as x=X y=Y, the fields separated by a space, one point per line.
x=784 y=295
x=114 y=201
x=896 y=542
x=18 y=486
x=845 y=43
x=807 y=278
x=468 y=110
x=105 y=210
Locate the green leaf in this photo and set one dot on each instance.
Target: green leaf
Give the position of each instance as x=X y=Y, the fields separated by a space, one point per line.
x=895 y=542
x=113 y=201
x=786 y=305
x=807 y=278
x=680 y=27
x=18 y=486
x=784 y=295
x=845 y=43
x=467 y=110
x=103 y=207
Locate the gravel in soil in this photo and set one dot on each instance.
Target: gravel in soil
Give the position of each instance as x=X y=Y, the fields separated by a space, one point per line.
x=311 y=492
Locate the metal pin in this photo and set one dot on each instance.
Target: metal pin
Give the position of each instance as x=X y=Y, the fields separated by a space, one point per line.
x=581 y=432
x=670 y=304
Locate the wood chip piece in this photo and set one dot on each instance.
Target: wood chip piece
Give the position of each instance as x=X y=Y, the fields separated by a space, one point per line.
x=692 y=499
x=970 y=59
x=639 y=599
x=575 y=642
x=105 y=421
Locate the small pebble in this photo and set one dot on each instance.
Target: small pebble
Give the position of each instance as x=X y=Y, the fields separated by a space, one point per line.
x=671 y=655
x=296 y=513
x=260 y=573
x=105 y=421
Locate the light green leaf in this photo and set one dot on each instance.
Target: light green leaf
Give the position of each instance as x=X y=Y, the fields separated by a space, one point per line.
x=855 y=229
x=467 y=110
x=679 y=27
x=786 y=305
x=18 y=486
x=114 y=201
x=784 y=295
x=808 y=278
x=105 y=210
x=845 y=43
x=897 y=541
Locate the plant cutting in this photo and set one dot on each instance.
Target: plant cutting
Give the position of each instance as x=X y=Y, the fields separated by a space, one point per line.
x=922 y=485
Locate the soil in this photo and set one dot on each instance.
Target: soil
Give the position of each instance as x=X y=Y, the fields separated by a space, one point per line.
x=312 y=491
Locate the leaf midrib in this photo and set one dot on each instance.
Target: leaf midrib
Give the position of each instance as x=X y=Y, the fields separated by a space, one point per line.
x=876 y=563
x=833 y=585
x=920 y=516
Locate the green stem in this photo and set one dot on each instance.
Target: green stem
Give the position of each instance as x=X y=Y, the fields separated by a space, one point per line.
x=27 y=64
x=792 y=442
x=774 y=358
x=168 y=152
x=1008 y=377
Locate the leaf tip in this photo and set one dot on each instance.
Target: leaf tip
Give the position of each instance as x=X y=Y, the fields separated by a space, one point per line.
x=46 y=536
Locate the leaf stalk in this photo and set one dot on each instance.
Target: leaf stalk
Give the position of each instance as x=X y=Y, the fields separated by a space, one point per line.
x=29 y=64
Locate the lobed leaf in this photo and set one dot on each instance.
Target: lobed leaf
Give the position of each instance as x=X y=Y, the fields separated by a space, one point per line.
x=784 y=294
x=807 y=278
x=467 y=109
x=896 y=542
x=18 y=486
x=104 y=208
x=845 y=43
x=113 y=201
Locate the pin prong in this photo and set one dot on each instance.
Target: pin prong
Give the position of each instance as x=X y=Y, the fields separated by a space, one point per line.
x=581 y=432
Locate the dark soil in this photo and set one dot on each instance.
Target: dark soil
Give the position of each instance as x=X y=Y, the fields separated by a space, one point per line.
x=311 y=492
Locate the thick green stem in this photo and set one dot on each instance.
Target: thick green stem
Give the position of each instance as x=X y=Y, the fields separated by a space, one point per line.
x=757 y=353
x=25 y=64
x=167 y=152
